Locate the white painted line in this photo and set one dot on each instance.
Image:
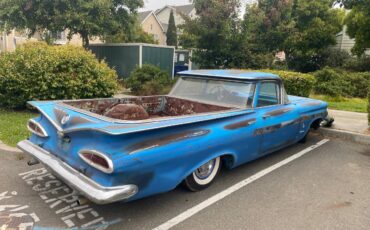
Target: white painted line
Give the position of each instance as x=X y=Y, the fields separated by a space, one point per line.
x=219 y=196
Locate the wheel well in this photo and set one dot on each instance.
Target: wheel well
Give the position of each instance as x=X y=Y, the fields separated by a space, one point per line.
x=228 y=160
x=316 y=123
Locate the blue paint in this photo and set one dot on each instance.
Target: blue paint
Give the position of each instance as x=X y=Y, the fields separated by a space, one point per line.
x=162 y=167
x=231 y=74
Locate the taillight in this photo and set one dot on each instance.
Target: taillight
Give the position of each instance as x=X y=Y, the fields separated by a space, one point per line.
x=97 y=160
x=35 y=127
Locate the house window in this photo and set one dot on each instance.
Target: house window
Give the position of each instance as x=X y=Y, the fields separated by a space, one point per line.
x=151 y=26
x=59 y=35
x=182 y=57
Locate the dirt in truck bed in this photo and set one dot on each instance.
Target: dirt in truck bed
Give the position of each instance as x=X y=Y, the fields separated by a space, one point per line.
x=141 y=108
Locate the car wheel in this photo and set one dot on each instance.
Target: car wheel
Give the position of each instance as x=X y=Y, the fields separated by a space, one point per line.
x=203 y=176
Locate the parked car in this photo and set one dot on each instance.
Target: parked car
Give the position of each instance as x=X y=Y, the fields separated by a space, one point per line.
x=128 y=148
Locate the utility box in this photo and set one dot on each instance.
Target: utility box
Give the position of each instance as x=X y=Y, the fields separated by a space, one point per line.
x=124 y=57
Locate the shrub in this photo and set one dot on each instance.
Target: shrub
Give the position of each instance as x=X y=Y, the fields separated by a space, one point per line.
x=335 y=82
x=368 y=106
x=36 y=71
x=295 y=83
x=361 y=64
x=148 y=80
x=336 y=57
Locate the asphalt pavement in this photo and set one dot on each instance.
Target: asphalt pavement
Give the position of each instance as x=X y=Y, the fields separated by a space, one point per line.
x=326 y=188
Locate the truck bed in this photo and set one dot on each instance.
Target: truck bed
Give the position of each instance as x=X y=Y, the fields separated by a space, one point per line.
x=146 y=107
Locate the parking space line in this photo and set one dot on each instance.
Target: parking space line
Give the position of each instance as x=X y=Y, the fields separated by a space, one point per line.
x=219 y=196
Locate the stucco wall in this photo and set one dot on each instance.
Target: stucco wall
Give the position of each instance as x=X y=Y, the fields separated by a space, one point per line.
x=152 y=26
x=8 y=42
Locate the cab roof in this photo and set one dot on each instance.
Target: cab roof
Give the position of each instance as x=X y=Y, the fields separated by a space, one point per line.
x=231 y=74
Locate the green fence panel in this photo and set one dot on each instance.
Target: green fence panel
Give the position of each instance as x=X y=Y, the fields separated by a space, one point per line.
x=119 y=57
x=162 y=57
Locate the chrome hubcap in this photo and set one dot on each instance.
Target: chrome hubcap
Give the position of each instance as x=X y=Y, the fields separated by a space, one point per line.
x=205 y=170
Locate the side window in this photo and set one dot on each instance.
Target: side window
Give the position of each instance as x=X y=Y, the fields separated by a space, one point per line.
x=269 y=94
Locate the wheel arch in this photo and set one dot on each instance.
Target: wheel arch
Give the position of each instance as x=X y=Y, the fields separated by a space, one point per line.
x=315 y=124
x=227 y=158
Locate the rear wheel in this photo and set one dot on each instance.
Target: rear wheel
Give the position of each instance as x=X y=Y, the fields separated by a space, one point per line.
x=203 y=176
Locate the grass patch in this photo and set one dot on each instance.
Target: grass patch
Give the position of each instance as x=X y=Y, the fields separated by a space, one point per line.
x=13 y=126
x=342 y=103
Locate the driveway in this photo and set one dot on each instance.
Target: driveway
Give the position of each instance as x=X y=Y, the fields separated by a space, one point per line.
x=300 y=187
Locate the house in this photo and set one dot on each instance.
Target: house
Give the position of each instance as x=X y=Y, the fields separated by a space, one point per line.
x=343 y=41
x=163 y=14
x=151 y=25
x=9 y=41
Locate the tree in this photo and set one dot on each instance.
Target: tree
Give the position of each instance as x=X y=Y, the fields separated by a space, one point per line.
x=304 y=29
x=136 y=35
x=87 y=18
x=215 y=34
x=171 y=31
x=265 y=27
x=358 y=23
x=267 y=23
x=315 y=25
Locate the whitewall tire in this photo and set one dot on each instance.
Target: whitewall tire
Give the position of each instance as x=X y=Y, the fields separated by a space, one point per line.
x=203 y=176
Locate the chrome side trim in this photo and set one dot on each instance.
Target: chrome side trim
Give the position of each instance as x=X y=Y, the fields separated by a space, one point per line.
x=85 y=186
x=43 y=134
x=91 y=163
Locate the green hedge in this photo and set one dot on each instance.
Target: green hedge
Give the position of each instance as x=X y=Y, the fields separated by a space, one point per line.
x=298 y=84
x=36 y=71
x=148 y=80
x=336 y=82
x=368 y=106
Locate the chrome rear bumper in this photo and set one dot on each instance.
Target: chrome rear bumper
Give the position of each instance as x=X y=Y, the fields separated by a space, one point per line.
x=76 y=180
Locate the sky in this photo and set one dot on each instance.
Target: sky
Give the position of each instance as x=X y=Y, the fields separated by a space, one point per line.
x=156 y=4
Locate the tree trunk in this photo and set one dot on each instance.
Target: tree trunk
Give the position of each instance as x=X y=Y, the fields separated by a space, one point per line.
x=85 y=39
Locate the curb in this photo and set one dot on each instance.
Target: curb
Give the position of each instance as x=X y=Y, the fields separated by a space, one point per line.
x=347 y=135
x=7 y=149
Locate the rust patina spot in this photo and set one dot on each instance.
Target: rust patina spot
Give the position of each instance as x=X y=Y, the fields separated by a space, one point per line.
x=240 y=124
x=127 y=112
x=278 y=112
x=313 y=103
x=165 y=140
x=154 y=106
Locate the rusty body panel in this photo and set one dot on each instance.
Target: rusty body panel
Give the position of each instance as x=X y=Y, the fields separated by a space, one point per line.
x=141 y=108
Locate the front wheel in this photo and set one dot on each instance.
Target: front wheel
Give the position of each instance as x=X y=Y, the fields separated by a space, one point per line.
x=203 y=176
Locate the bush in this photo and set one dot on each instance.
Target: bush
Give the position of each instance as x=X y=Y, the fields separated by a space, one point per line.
x=336 y=57
x=295 y=83
x=148 y=80
x=335 y=82
x=368 y=106
x=361 y=64
x=36 y=71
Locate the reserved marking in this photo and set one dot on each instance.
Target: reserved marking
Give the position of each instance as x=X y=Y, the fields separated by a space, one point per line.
x=219 y=196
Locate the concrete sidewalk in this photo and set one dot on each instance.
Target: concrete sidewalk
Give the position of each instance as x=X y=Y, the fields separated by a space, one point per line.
x=348 y=126
x=350 y=121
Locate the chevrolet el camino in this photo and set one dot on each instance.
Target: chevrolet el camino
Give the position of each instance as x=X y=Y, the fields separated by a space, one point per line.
x=123 y=149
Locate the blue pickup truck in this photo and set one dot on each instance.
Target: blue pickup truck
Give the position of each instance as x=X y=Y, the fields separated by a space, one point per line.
x=122 y=149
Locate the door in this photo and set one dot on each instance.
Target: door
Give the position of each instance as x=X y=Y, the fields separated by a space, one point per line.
x=277 y=118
